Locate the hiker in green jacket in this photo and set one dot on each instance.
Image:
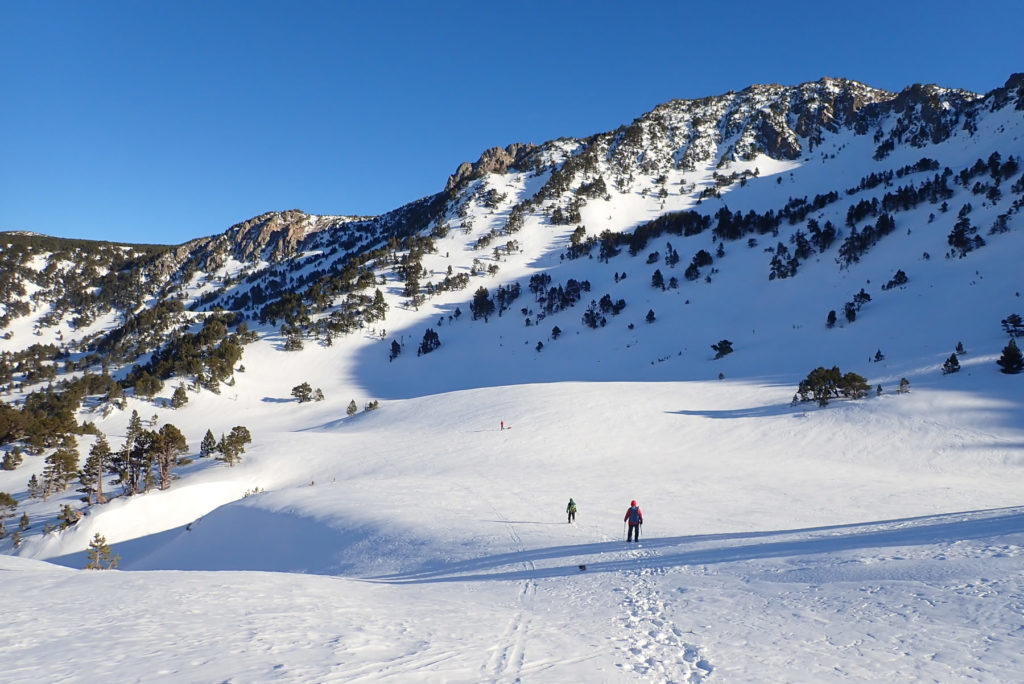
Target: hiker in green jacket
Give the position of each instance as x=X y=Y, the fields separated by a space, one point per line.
x=571 y=510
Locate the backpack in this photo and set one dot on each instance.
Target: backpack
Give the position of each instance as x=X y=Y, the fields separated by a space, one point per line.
x=572 y=506
x=634 y=515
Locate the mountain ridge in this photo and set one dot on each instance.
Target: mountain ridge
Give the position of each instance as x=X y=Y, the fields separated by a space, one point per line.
x=687 y=169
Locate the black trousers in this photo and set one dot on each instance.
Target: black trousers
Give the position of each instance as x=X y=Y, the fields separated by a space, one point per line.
x=572 y=515
x=633 y=530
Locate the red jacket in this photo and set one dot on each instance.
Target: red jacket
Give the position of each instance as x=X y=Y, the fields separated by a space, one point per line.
x=634 y=516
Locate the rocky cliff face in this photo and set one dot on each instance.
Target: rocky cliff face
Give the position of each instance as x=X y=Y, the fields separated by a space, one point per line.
x=276 y=235
x=494 y=160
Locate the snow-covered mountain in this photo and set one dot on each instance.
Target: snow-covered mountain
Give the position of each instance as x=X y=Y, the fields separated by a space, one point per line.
x=638 y=308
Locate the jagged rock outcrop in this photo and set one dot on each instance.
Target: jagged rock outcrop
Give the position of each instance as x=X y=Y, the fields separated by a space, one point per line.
x=275 y=235
x=493 y=160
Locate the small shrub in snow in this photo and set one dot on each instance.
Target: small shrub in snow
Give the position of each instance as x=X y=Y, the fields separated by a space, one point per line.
x=951 y=365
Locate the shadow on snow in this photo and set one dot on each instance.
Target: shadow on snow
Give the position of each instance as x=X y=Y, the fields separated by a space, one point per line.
x=737 y=547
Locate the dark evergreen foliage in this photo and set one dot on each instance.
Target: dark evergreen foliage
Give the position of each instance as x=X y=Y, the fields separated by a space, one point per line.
x=951 y=365
x=1013 y=325
x=430 y=342
x=823 y=384
x=722 y=348
x=1011 y=361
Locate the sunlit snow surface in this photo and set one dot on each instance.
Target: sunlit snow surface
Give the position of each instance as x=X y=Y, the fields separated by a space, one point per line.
x=876 y=540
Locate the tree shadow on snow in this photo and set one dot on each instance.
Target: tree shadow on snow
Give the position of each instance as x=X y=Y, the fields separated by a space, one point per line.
x=721 y=548
x=750 y=412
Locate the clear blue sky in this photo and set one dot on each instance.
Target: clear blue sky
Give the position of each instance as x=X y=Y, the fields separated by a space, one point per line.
x=151 y=121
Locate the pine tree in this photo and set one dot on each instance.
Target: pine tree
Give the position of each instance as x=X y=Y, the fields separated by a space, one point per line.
x=481 y=306
x=1013 y=325
x=951 y=365
x=303 y=392
x=430 y=342
x=208 y=445
x=650 y=316
x=35 y=490
x=127 y=463
x=8 y=505
x=233 y=446
x=823 y=384
x=95 y=465
x=904 y=386
x=168 y=446
x=722 y=348
x=1012 y=362
x=99 y=554
x=61 y=466
x=11 y=460
x=24 y=522
x=352 y=408
x=68 y=516
x=180 y=397
x=658 y=280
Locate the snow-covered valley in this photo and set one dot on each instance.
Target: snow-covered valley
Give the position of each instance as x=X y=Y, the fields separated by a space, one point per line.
x=870 y=539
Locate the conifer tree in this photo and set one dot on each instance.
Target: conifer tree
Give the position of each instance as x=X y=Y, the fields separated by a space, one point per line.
x=352 y=408
x=233 y=446
x=99 y=554
x=91 y=475
x=12 y=459
x=68 y=516
x=61 y=466
x=168 y=445
x=722 y=348
x=180 y=397
x=951 y=365
x=303 y=393
x=126 y=463
x=1012 y=362
x=8 y=504
x=658 y=280
x=430 y=342
x=208 y=445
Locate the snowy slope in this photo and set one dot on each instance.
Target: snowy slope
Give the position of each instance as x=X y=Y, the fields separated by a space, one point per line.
x=869 y=540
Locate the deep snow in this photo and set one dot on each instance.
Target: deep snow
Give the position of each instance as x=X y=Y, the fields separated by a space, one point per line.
x=875 y=540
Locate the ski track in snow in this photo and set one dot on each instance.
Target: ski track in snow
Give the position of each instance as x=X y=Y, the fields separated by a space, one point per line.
x=652 y=644
x=509 y=656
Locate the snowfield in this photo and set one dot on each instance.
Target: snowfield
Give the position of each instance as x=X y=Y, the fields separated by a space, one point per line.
x=875 y=540
x=880 y=539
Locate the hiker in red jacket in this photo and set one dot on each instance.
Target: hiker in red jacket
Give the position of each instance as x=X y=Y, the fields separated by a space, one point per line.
x=635 y=518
